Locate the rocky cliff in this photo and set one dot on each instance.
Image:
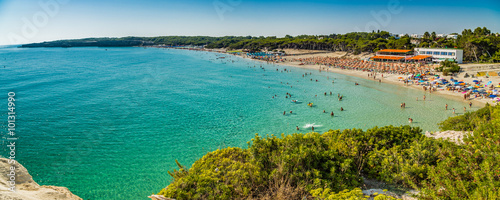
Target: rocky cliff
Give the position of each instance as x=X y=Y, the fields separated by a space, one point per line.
x=26 y=188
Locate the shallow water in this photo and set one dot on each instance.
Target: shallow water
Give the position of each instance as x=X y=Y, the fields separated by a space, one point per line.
x=109 y=123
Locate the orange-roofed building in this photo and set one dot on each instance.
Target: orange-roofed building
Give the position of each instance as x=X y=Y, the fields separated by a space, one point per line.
x=394 y=55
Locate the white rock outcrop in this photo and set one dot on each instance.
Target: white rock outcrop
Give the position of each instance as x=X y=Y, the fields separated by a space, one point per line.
x=453 y=136
x=26 y=188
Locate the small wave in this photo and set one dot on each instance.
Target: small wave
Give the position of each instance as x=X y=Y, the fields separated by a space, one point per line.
x=311 y=125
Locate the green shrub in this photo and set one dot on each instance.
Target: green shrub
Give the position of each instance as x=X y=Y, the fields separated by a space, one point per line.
x=331 y=165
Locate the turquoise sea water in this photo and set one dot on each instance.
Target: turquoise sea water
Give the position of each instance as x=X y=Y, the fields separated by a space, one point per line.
x=109 y=123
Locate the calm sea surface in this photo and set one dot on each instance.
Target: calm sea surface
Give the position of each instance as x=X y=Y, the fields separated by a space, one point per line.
x=109 y=123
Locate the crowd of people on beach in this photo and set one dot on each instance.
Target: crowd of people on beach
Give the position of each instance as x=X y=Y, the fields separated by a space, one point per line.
x=411 y=73
x=363 y=65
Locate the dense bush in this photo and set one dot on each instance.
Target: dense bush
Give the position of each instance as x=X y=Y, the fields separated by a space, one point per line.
x=332 y=165
x=469 y=121
x=448 y=66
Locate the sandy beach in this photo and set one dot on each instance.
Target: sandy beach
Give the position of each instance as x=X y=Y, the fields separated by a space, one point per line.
x=293 y=55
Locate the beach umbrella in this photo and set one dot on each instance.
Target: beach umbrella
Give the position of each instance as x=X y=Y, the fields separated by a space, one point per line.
x=475 y=81
x=470 y=87
x=475 y=91
x=421 y=81
x=493 y=96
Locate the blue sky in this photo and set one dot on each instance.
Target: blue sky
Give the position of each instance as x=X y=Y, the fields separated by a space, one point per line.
x=26 y=21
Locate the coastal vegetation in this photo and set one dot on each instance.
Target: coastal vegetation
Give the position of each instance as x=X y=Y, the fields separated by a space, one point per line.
x=335 y=164
x=480 y=45
x=448 y=67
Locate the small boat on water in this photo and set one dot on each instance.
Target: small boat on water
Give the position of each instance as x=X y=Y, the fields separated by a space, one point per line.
x=296 y=101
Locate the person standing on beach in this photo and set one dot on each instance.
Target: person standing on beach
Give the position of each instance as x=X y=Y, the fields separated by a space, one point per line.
x=424 y=97
x=464 y=109
x=312 y=128
x=470 y=104
x=453 y=110
x=446 y=106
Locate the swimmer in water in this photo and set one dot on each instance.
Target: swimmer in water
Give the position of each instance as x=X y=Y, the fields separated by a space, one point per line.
x=284 y=112
x=312 y=127
x=297 y=127
x=341 y=109
x=331 y=114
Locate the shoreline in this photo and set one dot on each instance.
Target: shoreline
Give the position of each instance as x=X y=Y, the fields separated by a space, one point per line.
x=392 y=79
x=388 y=78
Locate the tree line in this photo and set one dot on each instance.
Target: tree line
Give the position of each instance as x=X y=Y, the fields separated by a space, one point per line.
x=480 y=45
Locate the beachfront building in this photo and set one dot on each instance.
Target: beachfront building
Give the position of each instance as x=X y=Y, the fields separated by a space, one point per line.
x=392 y=55
x=452 y=37
x=416 y=36
x=439 y=54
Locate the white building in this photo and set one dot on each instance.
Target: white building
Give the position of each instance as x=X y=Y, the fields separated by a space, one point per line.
x=416 y=36
x=439 y=54
x=452 y=36
x=395 y=35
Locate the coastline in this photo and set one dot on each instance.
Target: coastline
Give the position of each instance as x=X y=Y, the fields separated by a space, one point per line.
x=387 y=77
x=392 y=79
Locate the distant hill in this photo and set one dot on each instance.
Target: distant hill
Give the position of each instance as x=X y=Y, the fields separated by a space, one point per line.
x=91 y=42
x=480 y=45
